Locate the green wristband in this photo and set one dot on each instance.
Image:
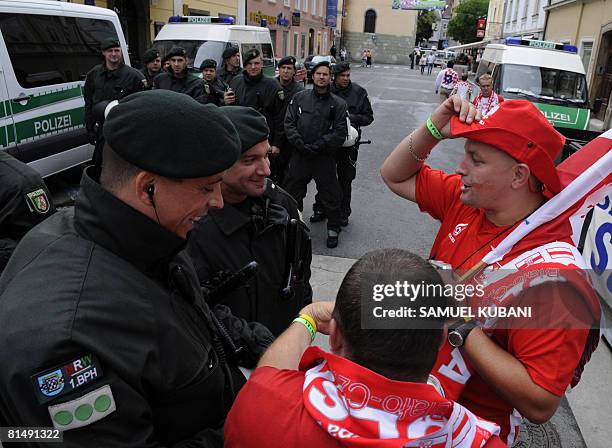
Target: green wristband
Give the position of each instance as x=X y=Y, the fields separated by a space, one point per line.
x=433 y=129
x=308 y=326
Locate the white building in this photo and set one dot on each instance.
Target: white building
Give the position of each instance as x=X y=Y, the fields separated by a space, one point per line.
x=524 y=18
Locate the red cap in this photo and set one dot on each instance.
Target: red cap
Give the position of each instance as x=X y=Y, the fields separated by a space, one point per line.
x=519 y=129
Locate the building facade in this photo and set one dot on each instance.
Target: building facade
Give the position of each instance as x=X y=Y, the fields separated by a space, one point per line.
x=588 y=26
x=495 y=17
x=372 y=24
x=524 y=18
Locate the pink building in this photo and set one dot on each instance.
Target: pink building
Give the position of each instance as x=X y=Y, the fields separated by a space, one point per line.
x=297 y=27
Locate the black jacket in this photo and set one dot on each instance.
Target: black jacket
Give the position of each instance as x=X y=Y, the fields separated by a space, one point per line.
x=255 y=230
x=289 y=90
x=102 y=84
x=214 y=91
x=264 y=95
x=227 y=76
x=24 y=202
x=316 y=123
x=104 y=280
x=359 y=107
x=186 y=83
x=150 y=76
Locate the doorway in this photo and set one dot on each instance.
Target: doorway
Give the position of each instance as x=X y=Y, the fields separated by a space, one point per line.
x=134 y=19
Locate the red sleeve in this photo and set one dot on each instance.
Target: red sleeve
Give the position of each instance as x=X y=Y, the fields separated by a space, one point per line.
x=552 y=349
x=436 y=191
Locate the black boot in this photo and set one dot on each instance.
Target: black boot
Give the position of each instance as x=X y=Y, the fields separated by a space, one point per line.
x=317 y=216
x=332 y=238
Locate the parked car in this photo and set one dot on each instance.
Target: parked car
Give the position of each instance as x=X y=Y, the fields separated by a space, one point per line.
x=311 y=61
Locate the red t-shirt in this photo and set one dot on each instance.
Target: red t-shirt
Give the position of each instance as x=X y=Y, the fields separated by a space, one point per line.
x=465 y=237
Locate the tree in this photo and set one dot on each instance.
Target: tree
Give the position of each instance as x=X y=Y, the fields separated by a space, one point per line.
x=462 y=26
x=425 y=23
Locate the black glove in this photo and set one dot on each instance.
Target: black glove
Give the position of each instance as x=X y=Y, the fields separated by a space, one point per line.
x=91 y=137
x=277 y=215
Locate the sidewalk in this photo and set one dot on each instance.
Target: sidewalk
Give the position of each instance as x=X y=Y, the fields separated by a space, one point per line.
x=584 y=419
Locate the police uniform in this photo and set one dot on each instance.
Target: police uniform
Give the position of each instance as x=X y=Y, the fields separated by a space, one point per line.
x=256 y=229
x=215 y=89
x=315 y=125
x=24 y=202
x=361 y=114
x=263 y=94
x=106 y=333
x=184 y=82
x=149 y=56
x=224 y=74
x=102 y=84
x=280 y=163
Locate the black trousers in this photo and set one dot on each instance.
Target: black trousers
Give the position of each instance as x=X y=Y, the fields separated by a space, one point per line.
x=346 y=169
x=322 y=168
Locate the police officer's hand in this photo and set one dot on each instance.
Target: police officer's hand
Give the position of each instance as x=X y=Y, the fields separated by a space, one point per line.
x=321 y=312
x=91 y=138
x=229 y=97
x=454 y=105
x=274 y=150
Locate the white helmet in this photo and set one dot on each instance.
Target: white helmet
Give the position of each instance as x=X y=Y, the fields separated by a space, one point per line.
x=351 y=138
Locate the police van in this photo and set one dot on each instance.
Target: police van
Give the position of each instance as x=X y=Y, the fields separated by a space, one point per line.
x=205 y=37
x=548 y=74
x=46 y=50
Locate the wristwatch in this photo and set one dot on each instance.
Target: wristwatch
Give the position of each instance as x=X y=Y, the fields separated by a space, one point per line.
x=458 y=335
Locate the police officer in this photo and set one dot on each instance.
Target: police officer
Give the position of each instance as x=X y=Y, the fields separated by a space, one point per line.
x=316 y=127
x=231 y=64
x=178 y=78
x=255 y=225
x=106 y=333
x=286 y=72
x=152 y=66
x=24 y=202
x=360 y=114
x=265 y=95
x=214 y=89
x=108 y=81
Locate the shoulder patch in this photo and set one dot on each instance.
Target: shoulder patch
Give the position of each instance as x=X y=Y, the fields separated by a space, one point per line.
x=60 y=380
x=281 y=95
x=84 y=410
x=207 y=89
x=38 y=202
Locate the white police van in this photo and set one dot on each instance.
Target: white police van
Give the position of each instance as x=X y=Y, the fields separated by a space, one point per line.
x=206 y=37
x=548 y=74
x=46 y=50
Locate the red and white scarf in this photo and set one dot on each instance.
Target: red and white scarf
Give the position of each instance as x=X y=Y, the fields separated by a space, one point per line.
x=360 y=408
x=486 y=105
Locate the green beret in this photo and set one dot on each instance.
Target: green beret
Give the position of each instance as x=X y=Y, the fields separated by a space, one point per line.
x=208 y=63
x=229 y=52
x=341 y=67
x=251 y=54
x=287 y=60
x=171 y=134
x=109 y=42
x=251 y=125
x=150 y=55
x=176 y=51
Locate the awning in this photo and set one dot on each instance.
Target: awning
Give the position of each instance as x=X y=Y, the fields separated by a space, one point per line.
x=480 y=44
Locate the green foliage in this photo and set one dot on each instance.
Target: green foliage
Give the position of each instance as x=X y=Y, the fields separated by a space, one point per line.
x=425 y=25
x=462 y=26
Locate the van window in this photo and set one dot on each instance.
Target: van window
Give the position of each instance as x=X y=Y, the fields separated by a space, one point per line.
x=197 y=50
x=541 y=83
x=46 y=50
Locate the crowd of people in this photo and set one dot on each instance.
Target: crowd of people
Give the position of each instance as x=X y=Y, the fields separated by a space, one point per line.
x=130 y=318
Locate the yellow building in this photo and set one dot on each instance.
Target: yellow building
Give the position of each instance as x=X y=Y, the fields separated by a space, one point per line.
x=372 y=24
x=495 y=17
x=142 y=19
x=587 y=24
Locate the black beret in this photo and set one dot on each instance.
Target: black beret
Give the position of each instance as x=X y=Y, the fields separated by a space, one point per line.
x=287 y=60
x=109 y=42
x=229 y=52
x=196 y=140
x=150 y=55
x=341 y=67
x=251 y=54
x=208 y=63
x=250 y=124
x=176 y=51
x=321 y=64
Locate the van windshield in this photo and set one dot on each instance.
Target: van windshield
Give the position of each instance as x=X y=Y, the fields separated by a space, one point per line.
x=548 y=85
x=197 y=50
